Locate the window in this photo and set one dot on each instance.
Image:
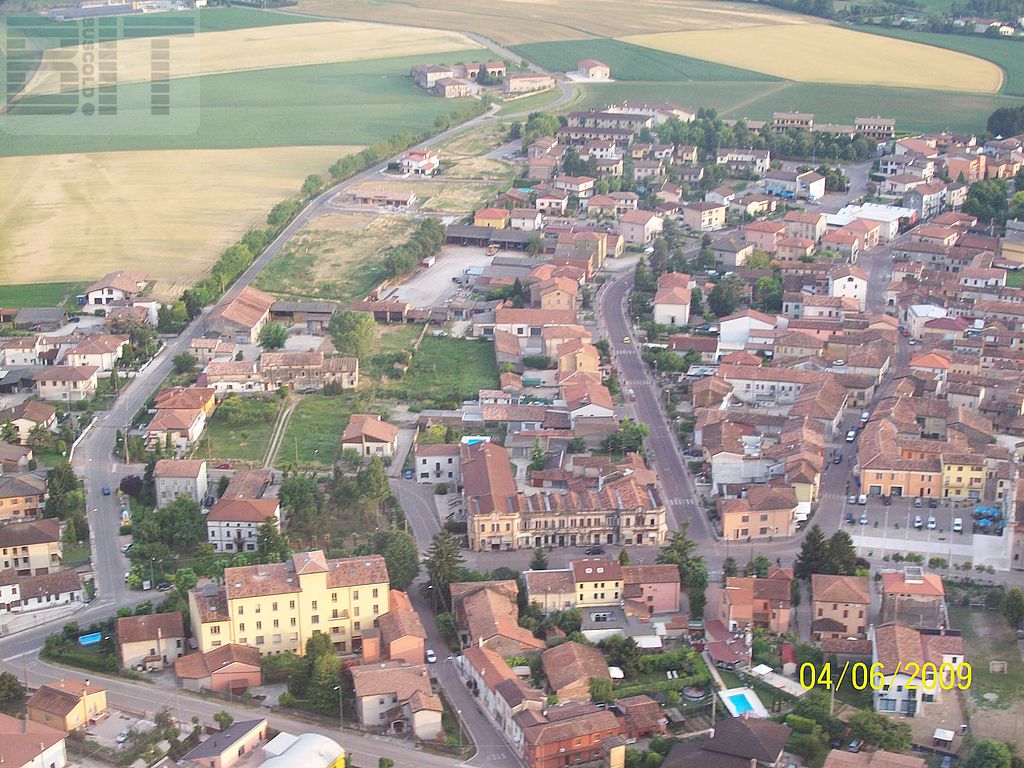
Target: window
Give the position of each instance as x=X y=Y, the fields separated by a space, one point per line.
x=259 y=639
x=313 y=605
x=375 y=590
x=357 y=626
x=214 y=630
x=291 y=604
x=314 y=619
x=273 y=606
x=293 y=621
x=355 y=611
x=241 y=610
x=355 y=594
x=276 y=623
x=241 y=627
x=334 y=597
x=376 y=608
x=259 y=625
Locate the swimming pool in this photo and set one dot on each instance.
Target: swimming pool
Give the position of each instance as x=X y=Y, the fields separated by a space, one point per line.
x=741 y=703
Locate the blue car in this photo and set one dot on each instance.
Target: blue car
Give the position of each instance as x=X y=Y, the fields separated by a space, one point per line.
x=407 y=474
x=106 y=490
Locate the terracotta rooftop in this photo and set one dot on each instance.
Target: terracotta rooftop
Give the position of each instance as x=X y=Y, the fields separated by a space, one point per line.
x=196 y=666
x=571 y=662
x=840 y=589
x=137 y=629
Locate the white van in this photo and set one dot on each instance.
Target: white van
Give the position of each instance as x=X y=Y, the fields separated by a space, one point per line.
x=851 y=435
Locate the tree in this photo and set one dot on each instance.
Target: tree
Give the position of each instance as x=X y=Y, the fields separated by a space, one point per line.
x=681 y=551
x=1006 y=121
x=12 y=693
x=891 y=735
x=758 y=260
x=623 y=557
x=1013 y=607
x=185 y=363
x=624 y=653
x=538 y=456
x=270 y=544
x=39 y=437
x=184 y=580
x=813 y=554
x=352 y=333
x=222 y=485
x=758 y=567
x=629 y=438
x=401 y=555
x=446 y=626
x=842 y=555
x=131 y=485
x=372 y=481
x=223 y=719
x=988 y=753
x=986 y=199
x=443 y=563
x=576 y=445
x=273 y=336
x=794 y=592
x=9 y=433
x=725 y=296
x=601 y=690
x=539 y=561
x=325 y=678
x=729 y=567
x=387 y=762
x=768 y=294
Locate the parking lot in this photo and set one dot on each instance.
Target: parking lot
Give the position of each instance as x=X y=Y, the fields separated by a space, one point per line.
x=429 y=286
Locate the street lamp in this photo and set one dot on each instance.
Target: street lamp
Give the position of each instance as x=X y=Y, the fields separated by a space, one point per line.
x=341 y=711
x=458 y=712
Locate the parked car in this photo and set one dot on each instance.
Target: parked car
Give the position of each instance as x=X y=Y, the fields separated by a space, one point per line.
x=958 y=525
x=594 y=551
x=862 y=499
x=918 y=502
x=911 y=342
x=851 y=435
x=224 y=465
x=863 y=518
x=837 y=459
x=852 y=499
x=947 y=762
x=126 y=547
x=864 y=417
x=164 y=586
x=106 y=490
x=122 y=737
x=848 y=518
x=408 y=473
x=917 y=522
x=932 y=524
x=431 y=656
x=855 y=745
x=933 y=504
x=838 y=363
x=887 y=501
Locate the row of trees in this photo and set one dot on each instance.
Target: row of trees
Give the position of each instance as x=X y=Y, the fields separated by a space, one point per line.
x=426 y=241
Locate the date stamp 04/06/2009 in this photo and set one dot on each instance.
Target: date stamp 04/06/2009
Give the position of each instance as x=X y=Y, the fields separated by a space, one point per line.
x=875 y=677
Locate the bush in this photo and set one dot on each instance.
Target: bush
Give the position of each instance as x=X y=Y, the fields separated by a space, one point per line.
x=538 y=362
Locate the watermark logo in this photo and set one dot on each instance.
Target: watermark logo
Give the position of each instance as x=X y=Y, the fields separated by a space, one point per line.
x=90 y=75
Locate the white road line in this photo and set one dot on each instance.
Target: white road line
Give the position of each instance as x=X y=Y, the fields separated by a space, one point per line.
x=16 y=656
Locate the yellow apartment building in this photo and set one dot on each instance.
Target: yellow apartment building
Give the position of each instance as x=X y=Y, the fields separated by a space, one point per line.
x=278 y=607
x=963 y=475
x=32 y=547
x=598 y=582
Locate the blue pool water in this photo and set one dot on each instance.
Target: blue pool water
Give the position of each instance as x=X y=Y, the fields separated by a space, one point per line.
x=741 y=703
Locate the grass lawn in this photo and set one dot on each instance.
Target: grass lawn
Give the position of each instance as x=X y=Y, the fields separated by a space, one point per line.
x=245 y=443
x=537 y=101
x=287 y=106
x=313 y=434
x=987 y=636
x=914 y=109
x=445 y=365
x=1008 y=54
x=77 y=553
x=631 y=62
x=40 y=294
x=1015 y=278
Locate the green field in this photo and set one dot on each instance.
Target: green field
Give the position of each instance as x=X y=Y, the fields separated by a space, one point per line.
x=1015 y=278
x=47 y=33
x=39 y=294
x=246 y=443
x=313 y=434
x=445 y=365
x=913 y=109
x=346 y=103
x=1008 y=54
x=631 y=62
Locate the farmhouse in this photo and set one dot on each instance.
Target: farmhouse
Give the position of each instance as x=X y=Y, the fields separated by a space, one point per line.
x=593 y=70
x=527 y=82
x=114 y=288
x=308 y=370
x=370 y=436
x=420 y=162
x=241 y=318
x=451 y=88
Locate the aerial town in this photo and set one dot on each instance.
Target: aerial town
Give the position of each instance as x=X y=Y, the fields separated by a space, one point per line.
x=602 y=421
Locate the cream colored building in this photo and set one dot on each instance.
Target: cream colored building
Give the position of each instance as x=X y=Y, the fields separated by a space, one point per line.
x=67 y=704
x=65 y=382
x=396 y=697
x=598 y=582
x=32 y=547
x=278 y=607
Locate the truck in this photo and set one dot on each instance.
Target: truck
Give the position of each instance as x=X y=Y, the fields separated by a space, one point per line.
x=491 y=250
x=428 y=262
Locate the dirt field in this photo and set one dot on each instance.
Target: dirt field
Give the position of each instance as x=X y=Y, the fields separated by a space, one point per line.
x=264 y=48
x=481 y=168
x=460 y=198
x=169 y=214
x=528 y=21
x=335 y=257
x=821 y=53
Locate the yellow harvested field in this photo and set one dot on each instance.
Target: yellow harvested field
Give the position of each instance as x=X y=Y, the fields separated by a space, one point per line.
x=166 y=213
x=284 y=45
x=529 y=21
x=822 y=53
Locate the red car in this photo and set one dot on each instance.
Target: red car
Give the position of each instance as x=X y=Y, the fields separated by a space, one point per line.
x=904 y=332
x=225 y=465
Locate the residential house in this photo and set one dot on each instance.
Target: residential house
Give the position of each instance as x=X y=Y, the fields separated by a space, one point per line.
x=552 y=590
x=307 y=370
x=734 y=330
x=370 y=436
x=402 y=637
x=206 y=350
x=655 y=586
x=180 y=477
x=568 y=668
x=640 y=227
x=642 y=715
x=277 y=607
x=233 y=525
x=971 y=167
x=22 y=496
x=844 y=758
x=528 y=219
x=229 y=747
x=115 y=288
x=569 y=735
x=501 y=694
x=28 y=593
x=598 y=582
x=914 y=598
x=849 y=283
x=840 y=606
x=438 y=464
x=736 y=742
x=241 y=318
x=927 y=199
x=397 y=698
x=731 y=252
x=764 y=235
x=150 y=641
x=68 y=704
x=937 y=654
x=808 y=185
x=420 y=162
x=843 y=242
x=487 y=616
x=672 y=301
x=753 y=602
x=794 y=248
x=704 y=217
x=494 y=218
x=175 y=428
x=754 y=161
x=811 y=226
x=101 y=352
x=31 y=547
x=238 y=376
x=67 y=383
x=765 y=512
x=28 y=744
x=230 y=668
